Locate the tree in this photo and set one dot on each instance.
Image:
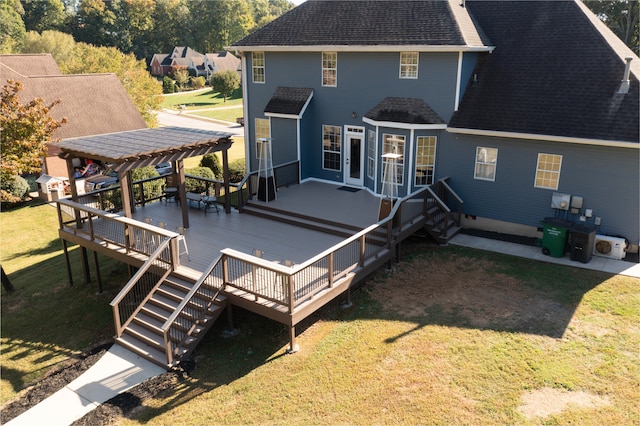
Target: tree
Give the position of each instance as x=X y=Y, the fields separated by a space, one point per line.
x=621 y=16
x=60 y=45
x=225 y=82
x=143 y=89
x=41 y=15
x=25 y=131
x=181 y=76
x=12 y=30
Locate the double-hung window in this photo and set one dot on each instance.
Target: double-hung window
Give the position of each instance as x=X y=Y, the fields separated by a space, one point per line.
x=371 y=154
x=257 y=62
x=486 y=159
x=409 y=65
x=330 y=69
x=263 y=131
x=548 y=171
x=425 y=159
x=393 y=144
x=331 y=147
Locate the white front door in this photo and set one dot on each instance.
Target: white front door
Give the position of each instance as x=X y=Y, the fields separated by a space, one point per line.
x=354 y=156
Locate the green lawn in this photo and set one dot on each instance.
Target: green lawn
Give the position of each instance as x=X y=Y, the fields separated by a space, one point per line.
x=201 y=99
x=450 y=336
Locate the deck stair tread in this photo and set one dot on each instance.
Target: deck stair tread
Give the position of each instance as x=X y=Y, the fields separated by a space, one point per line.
x=309 y=222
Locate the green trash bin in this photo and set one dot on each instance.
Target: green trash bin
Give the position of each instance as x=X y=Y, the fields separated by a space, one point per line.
x=554 y=237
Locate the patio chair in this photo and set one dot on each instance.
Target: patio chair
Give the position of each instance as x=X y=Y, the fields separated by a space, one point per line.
x=182 y=238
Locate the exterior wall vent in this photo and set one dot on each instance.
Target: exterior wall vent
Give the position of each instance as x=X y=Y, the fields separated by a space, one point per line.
x=624 y=86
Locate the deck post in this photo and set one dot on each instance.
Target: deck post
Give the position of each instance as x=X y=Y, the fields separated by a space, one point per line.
x=293 y=346
x=182 y=193
x=99 y=278
x=67 y=261
x=225 y=178
x=85 y=265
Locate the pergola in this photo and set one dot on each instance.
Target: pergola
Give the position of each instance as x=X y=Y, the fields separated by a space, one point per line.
x=125 y=151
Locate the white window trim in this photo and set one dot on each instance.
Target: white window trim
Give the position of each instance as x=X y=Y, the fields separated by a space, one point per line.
x=339 y=152
x=435 y=149
x=402 y=166
x=254 y=67
x=417 y=65
x=479 y=150
x=538 y=170
x=255 y=129
x=333 y=69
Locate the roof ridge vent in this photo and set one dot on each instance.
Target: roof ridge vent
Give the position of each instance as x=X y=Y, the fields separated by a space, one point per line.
x=624 y=86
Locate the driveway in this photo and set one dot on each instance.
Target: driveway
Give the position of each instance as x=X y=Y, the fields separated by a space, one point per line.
x=166 y=118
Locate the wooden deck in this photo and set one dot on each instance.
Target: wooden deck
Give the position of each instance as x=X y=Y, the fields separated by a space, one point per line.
x=209 y=234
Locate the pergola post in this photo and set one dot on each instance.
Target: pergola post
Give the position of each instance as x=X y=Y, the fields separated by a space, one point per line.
x=182 y=192
x=225 y=178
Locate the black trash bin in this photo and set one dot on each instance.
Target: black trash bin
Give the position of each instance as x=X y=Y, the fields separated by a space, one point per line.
x=581 y=240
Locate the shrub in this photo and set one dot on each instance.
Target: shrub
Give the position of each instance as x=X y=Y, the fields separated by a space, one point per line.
x=237 y=170
x=198 y=82
x=194 y=185
x=168 y=85
x=14 y=189
x=211 y=161
x=151 y=189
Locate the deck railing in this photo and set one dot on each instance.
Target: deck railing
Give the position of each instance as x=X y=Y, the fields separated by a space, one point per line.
x=284 y=175
x=444 y=206
x=98 y=226
x=141 y=286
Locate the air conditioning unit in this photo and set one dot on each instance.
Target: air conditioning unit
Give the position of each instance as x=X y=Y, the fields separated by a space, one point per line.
x=610 y=247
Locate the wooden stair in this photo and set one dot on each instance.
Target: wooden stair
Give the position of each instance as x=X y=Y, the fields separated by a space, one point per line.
x=440 y=224
x=144 y=335
x=297 y=219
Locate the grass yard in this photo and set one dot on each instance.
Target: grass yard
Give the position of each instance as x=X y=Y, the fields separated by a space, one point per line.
x=201 y=99
x=450 y=336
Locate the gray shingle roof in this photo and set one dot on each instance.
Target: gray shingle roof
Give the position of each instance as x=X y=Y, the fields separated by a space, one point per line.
x=404 y=110
x=361 y=22
x=551 y=73
x=288 y=100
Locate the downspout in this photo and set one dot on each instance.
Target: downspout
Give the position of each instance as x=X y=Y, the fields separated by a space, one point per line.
x=245 y=113
x=458 y=78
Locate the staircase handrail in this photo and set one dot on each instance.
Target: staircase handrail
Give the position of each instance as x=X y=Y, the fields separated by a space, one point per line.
x=185 y=301
x=153 y=260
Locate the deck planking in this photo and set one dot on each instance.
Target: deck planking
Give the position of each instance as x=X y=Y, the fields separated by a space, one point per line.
x=209 y=234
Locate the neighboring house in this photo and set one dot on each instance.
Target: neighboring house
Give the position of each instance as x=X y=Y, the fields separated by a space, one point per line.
x=92 y=103
x=196 y=63
x=515 y=102
x=180 y=58
x=221 y=61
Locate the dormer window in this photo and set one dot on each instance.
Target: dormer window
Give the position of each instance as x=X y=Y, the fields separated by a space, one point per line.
x=257 y=61
x=409 y=64
x=330 y=69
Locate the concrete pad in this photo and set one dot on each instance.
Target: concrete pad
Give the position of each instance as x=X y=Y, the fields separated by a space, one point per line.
x=117 y=371
x=611 y=266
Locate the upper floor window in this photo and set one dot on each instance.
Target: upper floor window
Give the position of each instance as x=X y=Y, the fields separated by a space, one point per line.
x=393 y=144
x=548 y=171
x=486 y=159
x=425 y=159
x=408 y=64
x=331 y=147
x=257 y=61
x=330 y=69
x=262 y=131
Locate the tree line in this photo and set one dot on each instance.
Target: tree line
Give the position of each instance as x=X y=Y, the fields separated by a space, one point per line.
x=140 y=27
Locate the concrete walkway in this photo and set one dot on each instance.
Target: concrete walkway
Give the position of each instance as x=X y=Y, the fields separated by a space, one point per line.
x=597 y=263
x=119 y=369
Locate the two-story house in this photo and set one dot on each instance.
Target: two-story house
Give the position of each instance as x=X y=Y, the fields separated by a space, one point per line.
x=517 y=103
